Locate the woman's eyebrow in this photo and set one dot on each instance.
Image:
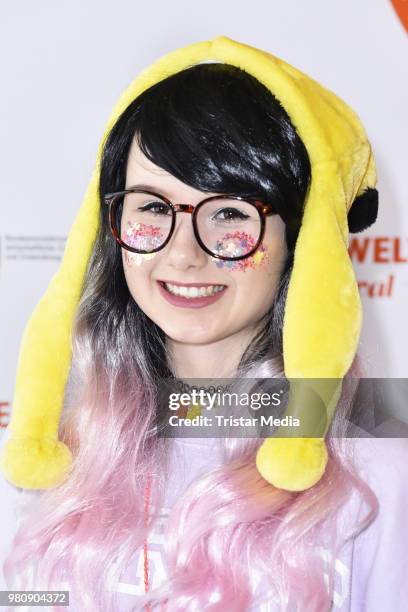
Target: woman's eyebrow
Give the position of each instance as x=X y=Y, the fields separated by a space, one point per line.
x=151 y=188
x=159 y=191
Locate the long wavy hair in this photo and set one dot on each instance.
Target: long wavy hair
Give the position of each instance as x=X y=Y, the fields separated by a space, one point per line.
x=217 y=129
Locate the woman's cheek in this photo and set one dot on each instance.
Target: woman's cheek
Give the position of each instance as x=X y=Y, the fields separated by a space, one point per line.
x=236 y=244
x=136 y=259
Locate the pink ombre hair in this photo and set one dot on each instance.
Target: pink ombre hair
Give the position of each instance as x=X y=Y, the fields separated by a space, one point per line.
x=74 y=532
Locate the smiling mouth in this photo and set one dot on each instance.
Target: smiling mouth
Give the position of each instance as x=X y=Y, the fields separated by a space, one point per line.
x=192 y=290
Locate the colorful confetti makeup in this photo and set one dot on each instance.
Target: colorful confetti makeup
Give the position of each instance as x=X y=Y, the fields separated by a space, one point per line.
x=144 y=237
x=235 y=244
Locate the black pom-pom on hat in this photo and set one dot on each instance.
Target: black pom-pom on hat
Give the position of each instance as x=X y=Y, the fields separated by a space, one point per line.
x=363 y=211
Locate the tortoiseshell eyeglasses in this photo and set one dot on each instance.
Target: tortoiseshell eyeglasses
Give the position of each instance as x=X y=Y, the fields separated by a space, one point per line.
x=226 y=227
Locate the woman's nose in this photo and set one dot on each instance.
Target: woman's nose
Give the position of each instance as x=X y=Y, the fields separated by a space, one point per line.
x=183 y=249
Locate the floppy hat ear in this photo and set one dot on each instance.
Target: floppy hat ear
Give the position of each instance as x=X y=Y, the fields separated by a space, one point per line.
x=33 y=457
x=322 y=323
x=322 y=318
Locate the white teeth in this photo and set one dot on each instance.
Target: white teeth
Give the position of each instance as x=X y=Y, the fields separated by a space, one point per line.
x=193 y=292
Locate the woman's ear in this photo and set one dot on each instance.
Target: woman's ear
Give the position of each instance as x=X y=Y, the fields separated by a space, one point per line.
x=363 y=211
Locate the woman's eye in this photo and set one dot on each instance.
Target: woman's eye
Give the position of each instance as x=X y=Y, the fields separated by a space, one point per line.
x=230 y=214
x=157 y=208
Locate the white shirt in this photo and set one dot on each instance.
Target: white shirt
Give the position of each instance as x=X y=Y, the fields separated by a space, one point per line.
x=371 y=571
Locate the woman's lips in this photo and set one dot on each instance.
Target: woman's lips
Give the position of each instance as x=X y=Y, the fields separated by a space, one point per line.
x=190 y=302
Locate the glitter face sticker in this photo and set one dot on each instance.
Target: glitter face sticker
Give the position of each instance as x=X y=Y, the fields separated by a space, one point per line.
x=235 y=244
x=141 y=236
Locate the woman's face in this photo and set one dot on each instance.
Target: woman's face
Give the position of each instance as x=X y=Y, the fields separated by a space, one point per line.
x=248 y=286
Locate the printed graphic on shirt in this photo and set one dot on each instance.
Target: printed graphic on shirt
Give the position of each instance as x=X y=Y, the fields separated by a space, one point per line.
x=155 y=556
x=342 y=578
x=133 y=580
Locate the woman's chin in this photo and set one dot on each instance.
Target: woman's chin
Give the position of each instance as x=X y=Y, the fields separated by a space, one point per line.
x=191 y=334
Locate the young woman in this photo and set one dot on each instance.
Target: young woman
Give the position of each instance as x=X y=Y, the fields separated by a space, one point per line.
x=202 y=186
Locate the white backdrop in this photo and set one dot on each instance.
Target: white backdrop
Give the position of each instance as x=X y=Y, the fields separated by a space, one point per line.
x=63 y=65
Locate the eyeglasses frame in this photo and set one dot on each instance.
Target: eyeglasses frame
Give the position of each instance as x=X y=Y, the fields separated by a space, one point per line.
x=113 y=199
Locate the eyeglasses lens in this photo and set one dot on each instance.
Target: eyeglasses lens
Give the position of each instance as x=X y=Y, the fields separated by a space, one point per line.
x=145 y=221
x=230 y=228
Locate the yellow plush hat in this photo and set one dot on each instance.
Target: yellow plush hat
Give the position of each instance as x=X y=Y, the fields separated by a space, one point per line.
x=319 y=338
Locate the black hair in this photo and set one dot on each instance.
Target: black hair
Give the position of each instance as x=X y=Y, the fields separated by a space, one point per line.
x=217 y=129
